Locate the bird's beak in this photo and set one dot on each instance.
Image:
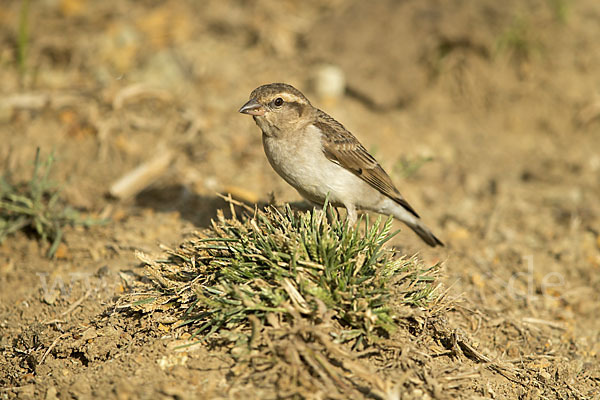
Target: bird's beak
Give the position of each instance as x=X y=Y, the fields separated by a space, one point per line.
x=253 y=107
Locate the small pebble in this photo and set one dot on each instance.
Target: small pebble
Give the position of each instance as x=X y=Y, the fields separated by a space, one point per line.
x=329 y=81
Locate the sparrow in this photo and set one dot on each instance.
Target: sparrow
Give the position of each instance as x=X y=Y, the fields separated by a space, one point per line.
x=319 y=157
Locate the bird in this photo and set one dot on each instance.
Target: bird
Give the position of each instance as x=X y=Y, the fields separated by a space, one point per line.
x=322 y=160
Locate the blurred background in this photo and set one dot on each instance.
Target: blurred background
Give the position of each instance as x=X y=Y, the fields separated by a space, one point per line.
x=486 y=115
x=471 y=106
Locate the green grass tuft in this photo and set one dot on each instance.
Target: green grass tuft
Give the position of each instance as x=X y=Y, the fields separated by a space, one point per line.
x=519 y=40
x=276 y=264
x=36 y=206
x=408 y=168
x=560 y=9
x=23 y=38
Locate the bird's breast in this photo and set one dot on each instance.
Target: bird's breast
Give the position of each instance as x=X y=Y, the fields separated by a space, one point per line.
x=295 y=157
x=300 y=161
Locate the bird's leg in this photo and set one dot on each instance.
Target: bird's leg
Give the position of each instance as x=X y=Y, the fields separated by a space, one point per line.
x=351 y=214
x=333 y=214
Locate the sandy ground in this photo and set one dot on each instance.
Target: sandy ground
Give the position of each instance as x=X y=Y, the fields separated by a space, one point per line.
x=502 y=100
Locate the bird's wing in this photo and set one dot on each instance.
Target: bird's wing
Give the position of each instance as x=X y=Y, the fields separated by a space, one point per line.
x=342 y=148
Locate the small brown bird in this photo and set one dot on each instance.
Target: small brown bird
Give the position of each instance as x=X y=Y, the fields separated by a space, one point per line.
x=317 y=156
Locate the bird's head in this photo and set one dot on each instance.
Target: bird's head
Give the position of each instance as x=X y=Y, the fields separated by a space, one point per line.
x=278 y=107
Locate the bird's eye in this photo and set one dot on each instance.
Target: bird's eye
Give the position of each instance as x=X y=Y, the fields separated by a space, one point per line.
x=278 y=102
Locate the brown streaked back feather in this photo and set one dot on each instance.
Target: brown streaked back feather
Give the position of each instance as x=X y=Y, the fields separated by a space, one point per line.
x=342 y=148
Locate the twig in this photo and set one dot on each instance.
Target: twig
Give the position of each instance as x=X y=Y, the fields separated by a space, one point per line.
x=465 y=375
x=76 y=304
x=54 y=321
x=552 y=324
x=230 y=200
x=139 y=178
x=52 y=346
x=139 y=90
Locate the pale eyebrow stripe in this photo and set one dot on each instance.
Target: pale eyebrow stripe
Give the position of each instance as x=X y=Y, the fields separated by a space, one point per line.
x=290 y=98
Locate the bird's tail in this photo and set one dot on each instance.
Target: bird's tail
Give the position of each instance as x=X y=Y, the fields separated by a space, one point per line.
x=415 y=224
x=409 y=217
x=424 y=232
